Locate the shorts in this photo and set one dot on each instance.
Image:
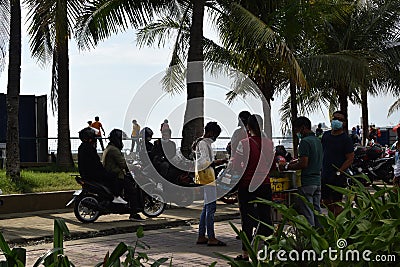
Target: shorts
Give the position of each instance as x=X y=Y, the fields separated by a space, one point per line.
x=328 y=193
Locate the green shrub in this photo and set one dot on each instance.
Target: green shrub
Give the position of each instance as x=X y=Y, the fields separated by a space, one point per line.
x=369 y=222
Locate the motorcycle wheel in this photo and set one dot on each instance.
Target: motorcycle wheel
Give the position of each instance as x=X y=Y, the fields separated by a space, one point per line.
x=84 y=209
x=387 y=173
x=230 y=198
x=154 y=204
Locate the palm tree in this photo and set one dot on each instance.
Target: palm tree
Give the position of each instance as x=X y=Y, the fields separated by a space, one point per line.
x=13 y=90
x=102 y=18
x=50 y=30
x=194 y=112
x=257 y=59
x=359 y=55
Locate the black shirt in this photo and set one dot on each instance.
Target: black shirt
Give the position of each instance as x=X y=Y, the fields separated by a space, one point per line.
x=335 y=148
x=89 y=164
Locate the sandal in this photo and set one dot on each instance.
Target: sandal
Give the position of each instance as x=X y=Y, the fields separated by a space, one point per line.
x=205 y=241
x=218 y=244
x=241 y=258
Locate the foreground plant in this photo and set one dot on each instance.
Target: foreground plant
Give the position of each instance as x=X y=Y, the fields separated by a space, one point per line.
x=368 y=228
x=133 y=257
x=16 y=257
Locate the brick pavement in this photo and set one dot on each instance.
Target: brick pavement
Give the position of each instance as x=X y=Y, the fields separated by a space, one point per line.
x=21 y=228
x=177 y=243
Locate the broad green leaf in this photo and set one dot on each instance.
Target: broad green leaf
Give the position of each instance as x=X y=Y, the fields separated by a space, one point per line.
x=159 y=262
x=116 y=254
x=3 y=245
x=140 y=232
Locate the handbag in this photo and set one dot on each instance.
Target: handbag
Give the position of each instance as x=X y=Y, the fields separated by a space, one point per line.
x=205 y=176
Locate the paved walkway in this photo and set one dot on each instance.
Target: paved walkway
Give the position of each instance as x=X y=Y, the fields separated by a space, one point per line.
x=173 y=234
x=22 y=228
x=177 y=244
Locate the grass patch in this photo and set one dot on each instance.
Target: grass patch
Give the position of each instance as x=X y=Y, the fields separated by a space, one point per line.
x=39 y=179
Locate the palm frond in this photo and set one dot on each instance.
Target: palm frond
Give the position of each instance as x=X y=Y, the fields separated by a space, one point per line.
x=54 y=83
x=99 y=19
x=4 y=31
x=247 y=25
x=394 y=107
x=44 y=18
x=42 y=35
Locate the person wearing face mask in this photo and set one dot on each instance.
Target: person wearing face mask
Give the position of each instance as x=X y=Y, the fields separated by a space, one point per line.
x=204 y=175
x=338 y=155
x=310 y=163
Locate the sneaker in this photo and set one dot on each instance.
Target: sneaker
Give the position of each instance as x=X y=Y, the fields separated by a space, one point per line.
x=119 y=200
x=136 y=218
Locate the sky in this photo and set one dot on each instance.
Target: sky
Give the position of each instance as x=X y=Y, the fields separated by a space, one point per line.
x=107 y=81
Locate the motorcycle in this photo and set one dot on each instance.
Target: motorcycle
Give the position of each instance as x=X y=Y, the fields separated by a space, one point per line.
x=95 y=200
x=370 y=161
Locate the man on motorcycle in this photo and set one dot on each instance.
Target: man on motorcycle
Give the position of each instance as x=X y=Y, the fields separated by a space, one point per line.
x=90 y=167
x=114 y=162
x=145 y=146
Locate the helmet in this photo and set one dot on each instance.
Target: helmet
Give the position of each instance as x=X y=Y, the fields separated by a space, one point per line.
x=280 y=150
x=360 y=152
x=374 y=152
x=115 y=138
x=86 y=134
x=146 y=133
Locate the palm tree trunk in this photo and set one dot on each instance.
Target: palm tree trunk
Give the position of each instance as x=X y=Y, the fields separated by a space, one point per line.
x=13 y=90
x=293 y=111
x=364 y=114
x=344 y=105
x=64 y=155
x=194 y=113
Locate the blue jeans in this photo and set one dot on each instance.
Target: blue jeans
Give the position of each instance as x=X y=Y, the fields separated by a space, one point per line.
x=208 y=212
x=313 y=195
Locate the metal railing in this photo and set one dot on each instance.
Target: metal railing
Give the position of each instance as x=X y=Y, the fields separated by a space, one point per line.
x=220 y=144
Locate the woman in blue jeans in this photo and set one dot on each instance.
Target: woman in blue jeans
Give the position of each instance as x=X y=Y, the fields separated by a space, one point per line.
x=204 y=175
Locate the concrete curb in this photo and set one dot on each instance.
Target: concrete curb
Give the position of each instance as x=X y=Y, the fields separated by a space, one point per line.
x=35 y=201
x=112 y=230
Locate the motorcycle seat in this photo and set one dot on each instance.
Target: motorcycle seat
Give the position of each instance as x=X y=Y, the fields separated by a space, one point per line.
x=92 y=184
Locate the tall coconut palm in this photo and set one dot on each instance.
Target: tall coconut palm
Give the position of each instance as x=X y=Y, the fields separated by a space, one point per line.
x=102 y=18
x=50 y=29
x=359 y=54
x=259 y=61
x=194 y=112
x=13 y=90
